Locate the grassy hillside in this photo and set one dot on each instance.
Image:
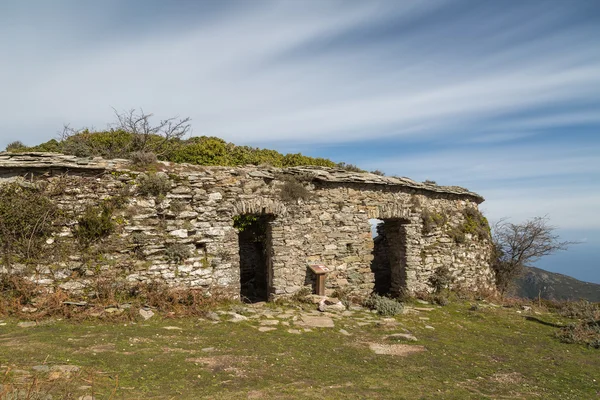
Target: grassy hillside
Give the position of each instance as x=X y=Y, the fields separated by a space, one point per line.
x=553 y=286
x=465 y=350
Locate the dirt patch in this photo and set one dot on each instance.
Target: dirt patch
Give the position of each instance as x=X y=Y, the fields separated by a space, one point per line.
x=136 y=340
x=177 y=350
x=256 y=394
x=11 y=342
x=230 y=364
x=395 y=349
x=509 y=378
x=101 y=348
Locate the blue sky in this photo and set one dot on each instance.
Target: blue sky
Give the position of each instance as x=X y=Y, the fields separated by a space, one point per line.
x=502 y=97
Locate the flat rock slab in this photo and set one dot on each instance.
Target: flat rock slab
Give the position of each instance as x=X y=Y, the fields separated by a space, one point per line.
x=237 y=318
x=172 y=328
x=316 y=322
x=395 y=349
x=266 y=329
x=27 y=324
x=269 y=322
x=402 y=336
x=424 y=308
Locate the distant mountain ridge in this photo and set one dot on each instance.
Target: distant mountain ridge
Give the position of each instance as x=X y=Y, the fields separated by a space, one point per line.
x=554 y=286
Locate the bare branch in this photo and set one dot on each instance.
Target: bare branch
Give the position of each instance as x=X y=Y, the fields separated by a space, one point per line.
x=519 y=245
x=138 y=124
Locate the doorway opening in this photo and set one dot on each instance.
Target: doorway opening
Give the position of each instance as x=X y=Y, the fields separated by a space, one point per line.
x=389 y=256
x=255 y=244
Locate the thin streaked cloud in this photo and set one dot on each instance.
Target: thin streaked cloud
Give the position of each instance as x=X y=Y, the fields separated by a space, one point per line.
x=500 y=96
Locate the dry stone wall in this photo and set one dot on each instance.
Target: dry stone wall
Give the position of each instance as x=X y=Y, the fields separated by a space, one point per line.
x=186 y=236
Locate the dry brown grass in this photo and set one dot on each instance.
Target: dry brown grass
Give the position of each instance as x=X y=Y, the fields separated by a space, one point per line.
x=109 y=299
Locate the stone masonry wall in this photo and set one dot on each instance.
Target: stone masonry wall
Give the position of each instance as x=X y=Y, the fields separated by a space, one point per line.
x=187 y=237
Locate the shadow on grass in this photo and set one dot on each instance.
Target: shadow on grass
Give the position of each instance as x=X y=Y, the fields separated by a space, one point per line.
x=539 y=321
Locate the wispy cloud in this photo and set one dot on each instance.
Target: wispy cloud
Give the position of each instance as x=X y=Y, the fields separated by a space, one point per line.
x=498 y=96
x=520 y=181
x=355 y=70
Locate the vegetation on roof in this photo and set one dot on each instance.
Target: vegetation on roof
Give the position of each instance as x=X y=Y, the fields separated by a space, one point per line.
x=135 y=137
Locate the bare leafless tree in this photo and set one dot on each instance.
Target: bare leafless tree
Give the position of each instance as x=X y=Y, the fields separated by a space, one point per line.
x=519 y=245
x=66 y=132
x=138 y=123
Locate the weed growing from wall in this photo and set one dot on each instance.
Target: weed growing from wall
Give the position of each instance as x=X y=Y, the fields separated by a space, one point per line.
x=432 y=220
x=244 y=221
x=153 y=184
x=94 y=224
x=474 y=224
x=28 y=217
x=293 y=190
x=177 y=206
x=177 y=252
x=143 y=158
x=441 y=279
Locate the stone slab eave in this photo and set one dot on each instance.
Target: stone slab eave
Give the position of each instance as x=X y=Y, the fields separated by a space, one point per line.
x=41 y=161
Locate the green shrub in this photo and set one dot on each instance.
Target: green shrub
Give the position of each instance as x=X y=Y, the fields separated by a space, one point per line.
x=582 y=332
x=16 y=146
x=441 y=299
x=28 y=217
x=203 y=150
x=94 y=224
x=383 y=305
x=582 y=309
x=153 y=184
x=349 y=167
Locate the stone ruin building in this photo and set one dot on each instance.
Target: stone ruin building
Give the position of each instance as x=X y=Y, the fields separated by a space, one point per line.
x=253 y=231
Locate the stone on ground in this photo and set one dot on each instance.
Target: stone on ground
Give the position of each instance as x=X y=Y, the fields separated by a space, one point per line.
x=331 y=305
x=237 y=318
x=395 y=349
x=403 y=336
x=269 y=322
x=316 y=322
x=146 y=314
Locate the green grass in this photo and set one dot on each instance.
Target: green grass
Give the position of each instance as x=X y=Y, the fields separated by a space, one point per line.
x=489 y=353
